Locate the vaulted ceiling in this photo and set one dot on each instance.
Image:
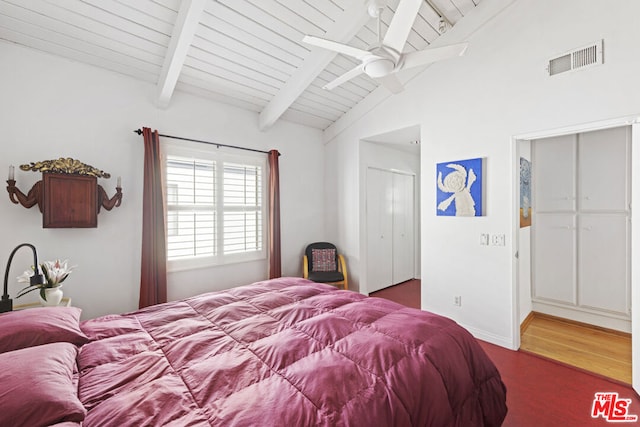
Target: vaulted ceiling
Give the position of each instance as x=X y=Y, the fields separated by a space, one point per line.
x=247 y=53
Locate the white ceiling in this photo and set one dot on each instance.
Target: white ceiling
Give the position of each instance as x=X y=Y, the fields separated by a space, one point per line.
x=247 y=53
x=407 y=139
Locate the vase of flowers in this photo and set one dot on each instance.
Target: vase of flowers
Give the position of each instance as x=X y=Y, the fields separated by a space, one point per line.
x=54 y=272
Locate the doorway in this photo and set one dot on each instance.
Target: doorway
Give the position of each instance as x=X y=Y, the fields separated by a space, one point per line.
x=522 y=239
x=389 y=209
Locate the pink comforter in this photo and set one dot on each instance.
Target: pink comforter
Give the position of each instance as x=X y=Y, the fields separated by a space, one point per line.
x=285 y=352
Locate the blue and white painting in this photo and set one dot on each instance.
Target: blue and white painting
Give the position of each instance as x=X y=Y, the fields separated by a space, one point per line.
x=459 y=191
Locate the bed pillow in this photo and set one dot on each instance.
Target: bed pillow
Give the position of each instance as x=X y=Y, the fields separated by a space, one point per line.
x=38 y=387
x=42 y=325
x=323 y=260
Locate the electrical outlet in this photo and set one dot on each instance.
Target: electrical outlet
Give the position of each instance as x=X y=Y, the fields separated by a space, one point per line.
x=498 y=239
x=457 y=301
x=484 y=239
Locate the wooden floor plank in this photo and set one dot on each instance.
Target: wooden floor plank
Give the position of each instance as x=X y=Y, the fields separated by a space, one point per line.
x=593 y=349
x=608 y=346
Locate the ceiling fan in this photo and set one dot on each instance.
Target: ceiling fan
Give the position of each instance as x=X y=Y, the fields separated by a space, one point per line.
x=386 y=58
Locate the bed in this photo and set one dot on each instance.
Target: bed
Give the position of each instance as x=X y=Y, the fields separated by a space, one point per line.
x=282 y=352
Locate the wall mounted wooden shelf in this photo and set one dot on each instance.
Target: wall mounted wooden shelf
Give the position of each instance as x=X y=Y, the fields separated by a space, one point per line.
x=66 y=200
x=70 y=201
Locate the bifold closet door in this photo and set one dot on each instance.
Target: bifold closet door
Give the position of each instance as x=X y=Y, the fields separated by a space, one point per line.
x=390 y=228
x=403 y=234
x=379 y=206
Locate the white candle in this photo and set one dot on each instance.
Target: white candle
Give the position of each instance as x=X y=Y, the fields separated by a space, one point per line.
x=119 y=185
x=11 y=173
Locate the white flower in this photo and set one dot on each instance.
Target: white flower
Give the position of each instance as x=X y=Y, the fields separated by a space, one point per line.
x=55 y=272
x=24 y=277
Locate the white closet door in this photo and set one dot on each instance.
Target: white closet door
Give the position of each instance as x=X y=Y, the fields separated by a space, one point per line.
x=603 y=170
x=554 y=252
x=403 y=238
x=554 y=174
x=603 y=268
x=379 y=205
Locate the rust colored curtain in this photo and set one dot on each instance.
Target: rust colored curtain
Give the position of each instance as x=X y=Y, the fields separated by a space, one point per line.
x=275 y=258
x=153 y=277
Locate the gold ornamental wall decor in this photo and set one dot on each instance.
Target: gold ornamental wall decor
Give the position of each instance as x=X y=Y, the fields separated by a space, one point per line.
x=65 y=165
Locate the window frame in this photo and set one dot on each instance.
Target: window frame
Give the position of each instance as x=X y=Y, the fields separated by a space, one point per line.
x=220 y=157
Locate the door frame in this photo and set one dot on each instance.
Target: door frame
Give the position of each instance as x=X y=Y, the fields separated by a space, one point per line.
x=634 y=122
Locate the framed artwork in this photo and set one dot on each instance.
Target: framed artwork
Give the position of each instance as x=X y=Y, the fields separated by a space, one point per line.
x=460 y=188
x=525 y=193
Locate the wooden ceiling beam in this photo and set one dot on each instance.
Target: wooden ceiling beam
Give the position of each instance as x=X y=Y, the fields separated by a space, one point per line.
x=181 y=38
x=343 y=30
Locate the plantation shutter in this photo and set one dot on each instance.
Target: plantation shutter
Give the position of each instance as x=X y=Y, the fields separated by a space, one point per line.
x=215 y=209
x=191 y=207
x=242 y=208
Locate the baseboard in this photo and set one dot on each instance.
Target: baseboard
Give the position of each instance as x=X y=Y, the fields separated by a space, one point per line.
x=490 y=338
x=604 y=321
x=527 y=321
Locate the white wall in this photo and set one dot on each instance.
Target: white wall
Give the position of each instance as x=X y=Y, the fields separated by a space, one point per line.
x=472 y=107
x=52 y=107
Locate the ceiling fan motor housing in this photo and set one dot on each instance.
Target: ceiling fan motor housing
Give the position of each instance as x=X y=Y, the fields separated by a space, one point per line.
x=379 y=67
x=382 y=62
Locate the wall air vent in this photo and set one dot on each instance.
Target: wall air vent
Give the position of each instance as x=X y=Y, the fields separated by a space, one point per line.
x=577 y=59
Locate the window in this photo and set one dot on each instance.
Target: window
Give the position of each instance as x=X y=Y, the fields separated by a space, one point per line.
x=215 y=209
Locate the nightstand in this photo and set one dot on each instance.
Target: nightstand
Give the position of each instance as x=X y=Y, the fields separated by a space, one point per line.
x=65 y=302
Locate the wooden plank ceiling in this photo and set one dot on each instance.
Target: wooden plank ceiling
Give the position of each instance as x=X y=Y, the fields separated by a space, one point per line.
x=247 y=53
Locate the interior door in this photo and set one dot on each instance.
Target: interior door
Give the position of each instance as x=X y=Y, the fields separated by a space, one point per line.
x=403 y=225
x=379 y=206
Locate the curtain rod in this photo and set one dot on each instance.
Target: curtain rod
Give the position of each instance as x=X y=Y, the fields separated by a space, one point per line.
x=139 y=132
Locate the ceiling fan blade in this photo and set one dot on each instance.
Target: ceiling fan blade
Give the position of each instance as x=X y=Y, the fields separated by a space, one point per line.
x=354 y=72
x=401 y=24
x=427 y=56
x=391 y=82
x=336 y=47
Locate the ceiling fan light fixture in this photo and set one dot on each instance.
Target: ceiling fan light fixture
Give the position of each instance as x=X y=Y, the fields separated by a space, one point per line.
x=379 y=67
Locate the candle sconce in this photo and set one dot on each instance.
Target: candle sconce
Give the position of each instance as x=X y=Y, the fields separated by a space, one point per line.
x=68 y=196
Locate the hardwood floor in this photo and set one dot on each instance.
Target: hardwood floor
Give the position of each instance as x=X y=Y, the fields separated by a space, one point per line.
x=602 y=351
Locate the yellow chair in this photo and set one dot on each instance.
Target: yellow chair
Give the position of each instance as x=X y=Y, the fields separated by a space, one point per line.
x=323 y=264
